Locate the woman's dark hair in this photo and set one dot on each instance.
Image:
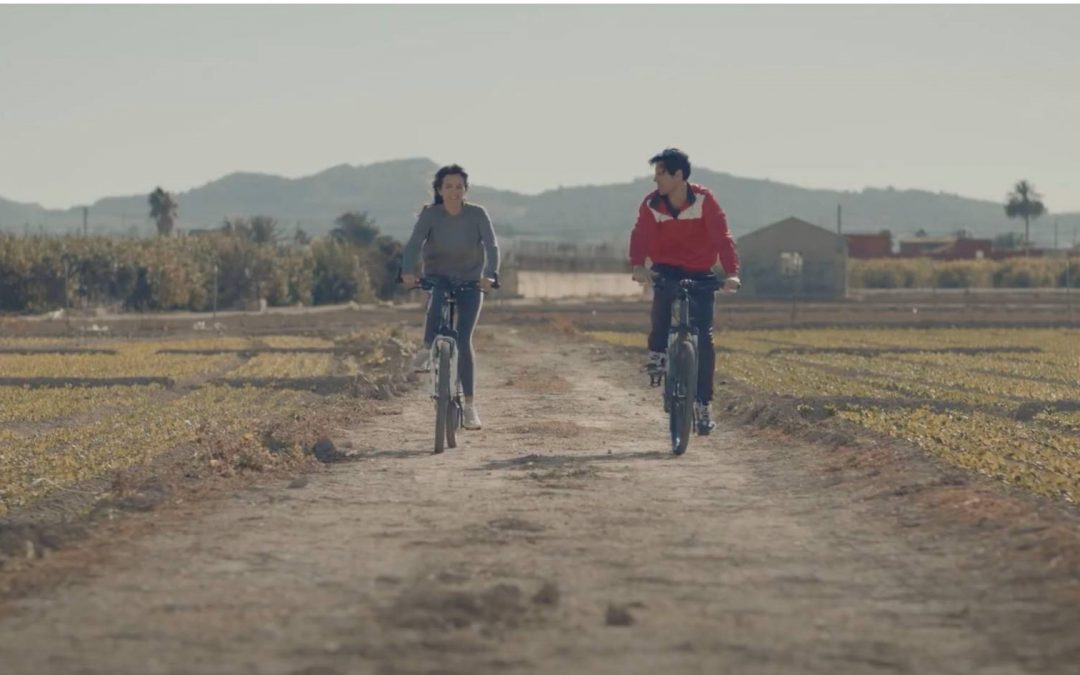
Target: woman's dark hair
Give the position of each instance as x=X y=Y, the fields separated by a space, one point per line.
x=673 y=159
x=443 y=173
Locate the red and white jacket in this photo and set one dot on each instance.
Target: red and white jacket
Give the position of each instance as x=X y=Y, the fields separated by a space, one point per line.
x=693 y=238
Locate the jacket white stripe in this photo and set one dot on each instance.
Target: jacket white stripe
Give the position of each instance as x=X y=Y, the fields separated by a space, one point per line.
x=691 y=212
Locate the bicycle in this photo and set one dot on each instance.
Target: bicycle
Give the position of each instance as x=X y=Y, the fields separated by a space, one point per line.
x=680 y=377
x=445 y=381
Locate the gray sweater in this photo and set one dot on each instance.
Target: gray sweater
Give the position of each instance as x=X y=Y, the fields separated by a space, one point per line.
x=462 y=247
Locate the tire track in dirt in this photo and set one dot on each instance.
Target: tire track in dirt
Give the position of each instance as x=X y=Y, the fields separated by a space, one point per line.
x=562 y=538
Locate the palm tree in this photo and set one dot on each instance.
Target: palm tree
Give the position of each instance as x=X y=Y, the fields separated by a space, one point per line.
x=163 y=210
x=1024 y=202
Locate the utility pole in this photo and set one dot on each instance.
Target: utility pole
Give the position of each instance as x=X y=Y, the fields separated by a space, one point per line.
x=67 y=283
x=1068 y=286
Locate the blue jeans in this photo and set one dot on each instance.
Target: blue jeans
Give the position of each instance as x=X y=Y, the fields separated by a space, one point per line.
x=701 y=317
x=467 y=312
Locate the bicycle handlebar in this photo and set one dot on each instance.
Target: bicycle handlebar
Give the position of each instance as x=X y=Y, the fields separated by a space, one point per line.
x=431 y=283
x=713 y=284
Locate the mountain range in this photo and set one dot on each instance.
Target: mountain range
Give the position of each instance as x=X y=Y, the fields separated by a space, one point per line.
x=393 y=192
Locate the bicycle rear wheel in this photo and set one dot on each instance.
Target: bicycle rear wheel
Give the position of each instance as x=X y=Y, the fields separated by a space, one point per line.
x=683 y=391
x=442 y=399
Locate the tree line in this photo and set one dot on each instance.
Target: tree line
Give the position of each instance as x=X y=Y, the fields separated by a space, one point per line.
x=236 y=265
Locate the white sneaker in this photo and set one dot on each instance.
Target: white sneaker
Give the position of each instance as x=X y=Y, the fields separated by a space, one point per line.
x=422 y=361
x=703 y=413
x=472 y=420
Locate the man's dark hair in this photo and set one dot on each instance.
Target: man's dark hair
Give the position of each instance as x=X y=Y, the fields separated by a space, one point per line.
x=673 y=159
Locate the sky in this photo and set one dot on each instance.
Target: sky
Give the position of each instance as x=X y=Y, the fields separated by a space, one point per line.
x=113 y=100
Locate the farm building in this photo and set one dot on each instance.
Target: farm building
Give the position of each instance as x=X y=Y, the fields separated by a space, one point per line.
x=793 y=258
x=864 y=245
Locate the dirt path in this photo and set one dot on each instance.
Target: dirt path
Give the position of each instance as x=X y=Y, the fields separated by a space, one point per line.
x=563 y=538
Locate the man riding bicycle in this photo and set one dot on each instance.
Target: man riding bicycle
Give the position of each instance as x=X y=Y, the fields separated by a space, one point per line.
x=683 y=231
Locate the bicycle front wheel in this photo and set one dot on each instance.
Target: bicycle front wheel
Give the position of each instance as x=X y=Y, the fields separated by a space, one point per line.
x=442 y=398
x=683 y=391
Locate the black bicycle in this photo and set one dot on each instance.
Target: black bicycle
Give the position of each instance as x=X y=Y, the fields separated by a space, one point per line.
x=445 y=380
x=681 y=377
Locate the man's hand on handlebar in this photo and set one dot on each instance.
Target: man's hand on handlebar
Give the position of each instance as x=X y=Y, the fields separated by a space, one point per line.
x=731 y=281
x=410 y=280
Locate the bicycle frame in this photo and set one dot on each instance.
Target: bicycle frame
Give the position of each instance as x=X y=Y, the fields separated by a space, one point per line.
x=446 y=333
x=681 y=329
x=680 y=377
x=681 y=326
x=680 y=314
x=446 y=390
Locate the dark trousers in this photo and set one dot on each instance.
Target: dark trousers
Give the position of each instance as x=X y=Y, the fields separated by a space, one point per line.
x=701 y=317
x=467 y=311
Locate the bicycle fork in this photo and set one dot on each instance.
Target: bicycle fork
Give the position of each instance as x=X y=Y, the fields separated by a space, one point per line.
x=441 y=343
x=681 y=329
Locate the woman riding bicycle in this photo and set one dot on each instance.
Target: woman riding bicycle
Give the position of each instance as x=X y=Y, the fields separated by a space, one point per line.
x=456 y=243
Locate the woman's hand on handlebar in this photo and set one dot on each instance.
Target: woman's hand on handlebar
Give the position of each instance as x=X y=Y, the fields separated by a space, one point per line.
x=487 y=284
x=410 y=280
